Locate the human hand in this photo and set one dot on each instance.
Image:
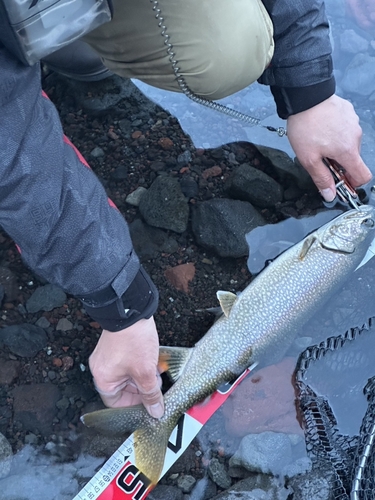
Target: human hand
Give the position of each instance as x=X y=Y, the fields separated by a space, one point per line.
x=329 y=130
x=124 y=367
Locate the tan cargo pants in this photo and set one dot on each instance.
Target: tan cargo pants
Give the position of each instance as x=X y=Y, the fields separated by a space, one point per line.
x=221 y=46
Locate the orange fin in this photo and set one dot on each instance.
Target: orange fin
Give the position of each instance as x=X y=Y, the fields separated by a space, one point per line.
x=173 y=360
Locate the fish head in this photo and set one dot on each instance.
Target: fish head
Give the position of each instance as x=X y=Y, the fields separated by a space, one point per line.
x=349 y=232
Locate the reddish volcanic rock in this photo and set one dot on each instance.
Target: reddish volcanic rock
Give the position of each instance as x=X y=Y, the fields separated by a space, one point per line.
x=180 y=276
x=264 y=402
x=214 y=171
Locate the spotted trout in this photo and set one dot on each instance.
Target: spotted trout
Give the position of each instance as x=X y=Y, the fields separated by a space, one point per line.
x=257 y=326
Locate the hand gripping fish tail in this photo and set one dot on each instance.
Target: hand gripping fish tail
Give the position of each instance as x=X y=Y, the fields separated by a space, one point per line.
x=258 y=326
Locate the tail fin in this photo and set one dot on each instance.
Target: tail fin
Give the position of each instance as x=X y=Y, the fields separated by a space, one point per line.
x=150 y=445
x=150 y=435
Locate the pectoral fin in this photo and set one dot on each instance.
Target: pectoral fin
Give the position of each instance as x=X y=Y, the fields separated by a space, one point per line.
x=226 y=299
x=307 y=244
x=173 y=360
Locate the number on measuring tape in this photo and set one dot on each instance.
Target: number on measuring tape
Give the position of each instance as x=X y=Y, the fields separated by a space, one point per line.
x=133 y=482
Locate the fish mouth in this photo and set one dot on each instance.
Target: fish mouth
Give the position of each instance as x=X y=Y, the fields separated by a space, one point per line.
x=362 y=211
x=365 y=214
x=347 y=231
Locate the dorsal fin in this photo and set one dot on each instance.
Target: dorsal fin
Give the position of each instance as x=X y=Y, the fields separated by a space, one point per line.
x=173 y=360
x=226 y=299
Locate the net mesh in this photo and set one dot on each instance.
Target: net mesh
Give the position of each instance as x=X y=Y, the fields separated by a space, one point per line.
x=347 y=460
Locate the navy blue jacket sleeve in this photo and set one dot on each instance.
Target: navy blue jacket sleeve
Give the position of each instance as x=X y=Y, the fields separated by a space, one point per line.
x=56 y=210
x=300 y=74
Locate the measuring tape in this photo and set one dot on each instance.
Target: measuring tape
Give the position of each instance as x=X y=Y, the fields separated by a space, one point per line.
x=119 y=478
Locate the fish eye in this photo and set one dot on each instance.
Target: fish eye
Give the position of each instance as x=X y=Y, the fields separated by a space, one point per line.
x=368 y=222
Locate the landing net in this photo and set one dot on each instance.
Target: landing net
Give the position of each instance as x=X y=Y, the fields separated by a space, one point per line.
x=335 y=378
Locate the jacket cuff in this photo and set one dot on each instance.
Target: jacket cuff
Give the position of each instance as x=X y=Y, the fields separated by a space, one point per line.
x=115 y=313
x=293 y=100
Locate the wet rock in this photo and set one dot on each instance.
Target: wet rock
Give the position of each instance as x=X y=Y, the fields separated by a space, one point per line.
x=314 y=485
x=164 y=492
x=134 y=198
x=9 y=371
x=219 y=474
x=46 y=298
x=359 y=76
x=180 y=276
x=86 y=466
x=9 y=283
x=2 y=293
x=34 y=406
x=368 y=142
x=6 y=455
x=256 y=487
x=204 y=489
x=238 y=472
x=186 y=483
x=221 y=225
x=41 y=482
x=31 y=438
x=300 y=466
x=250 y=184
x=61 y=452
x=268 y=453
x=149 y=241
x=37 y=476
x=25 y=340
x=264 y=402
x=165 y=206
x=285 y=166
x=352 y=43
